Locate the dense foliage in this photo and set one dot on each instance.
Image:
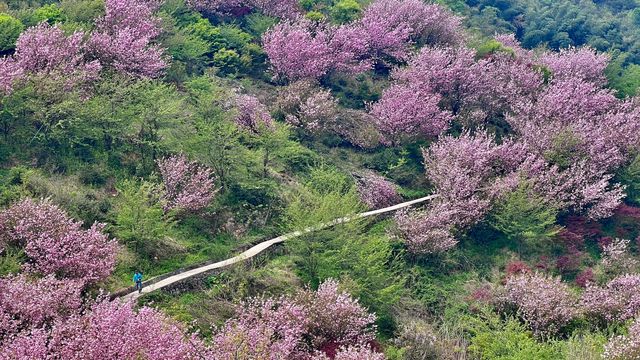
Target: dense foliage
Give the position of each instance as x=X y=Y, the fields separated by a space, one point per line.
x=153 y=136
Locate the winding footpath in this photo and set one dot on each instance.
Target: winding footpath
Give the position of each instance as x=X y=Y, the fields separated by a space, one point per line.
x=257 y=249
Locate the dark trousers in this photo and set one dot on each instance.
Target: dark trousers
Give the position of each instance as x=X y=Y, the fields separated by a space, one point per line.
x=139 y=286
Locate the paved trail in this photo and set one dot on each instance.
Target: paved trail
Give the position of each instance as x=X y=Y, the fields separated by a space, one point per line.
x=257 y=249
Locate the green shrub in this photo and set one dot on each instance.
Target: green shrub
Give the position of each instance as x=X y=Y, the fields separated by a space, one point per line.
x=51 y=13
x=588 y=346
x=11 y=260
x=345 y=11
x=228 y=61
x=138 y=218
x=307 y=4
x=257 y=24
x=630 y=176
x=509 y=340
x=82 y=11
x=522 y=215
x=491 y=47
x=10 y=29
x=315 y=16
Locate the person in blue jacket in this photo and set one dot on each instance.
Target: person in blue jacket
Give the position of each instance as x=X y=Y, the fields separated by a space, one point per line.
x=137 y=278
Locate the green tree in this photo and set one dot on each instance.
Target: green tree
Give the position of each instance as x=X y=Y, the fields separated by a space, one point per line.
x=10 y=29
x=345 y=11
x=51 y=13
x=630 y=176
x=138 y=217
x=522 y=215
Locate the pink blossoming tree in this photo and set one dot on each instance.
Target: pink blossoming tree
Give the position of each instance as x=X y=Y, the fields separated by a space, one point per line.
x=56 y=244
x=546 y=303
x=377 y=192
x=123 y=39
x=108 y=330
x=284 y=9
x=10 y=73
x=252 y=115
x=618 y=300
x=27 y=304
x=392 y=27
x=46 y=52
x=271 y=329
x=188 y=185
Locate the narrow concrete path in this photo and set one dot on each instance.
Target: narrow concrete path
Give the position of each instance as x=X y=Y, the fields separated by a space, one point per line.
x=257 y=249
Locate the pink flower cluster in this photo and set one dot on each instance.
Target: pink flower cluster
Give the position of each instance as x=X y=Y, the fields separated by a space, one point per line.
x=31 y=303
x=579 y=63
x=444 y=84
x=278 y=329
x=108 y=330
x=393 y=26
x=618 y=300
x=624 y=346
x=545 y=303
x=377 y=192
x=305 y=49
x=188 y=185
x=57 y=244
x=252 y=115
x=123 y=39
x=10 y=73
x=308 y=106
x=464 y=172
x=615 y=255
x=45 y=51
x=262 y=329
x=352 y=353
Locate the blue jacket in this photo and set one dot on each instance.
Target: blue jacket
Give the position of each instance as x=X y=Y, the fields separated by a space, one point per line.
x=137 y=277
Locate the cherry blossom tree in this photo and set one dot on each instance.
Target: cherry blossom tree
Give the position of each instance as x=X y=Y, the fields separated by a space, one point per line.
x=546 y=303
x=46 y=52
x=56 y=244
x=252 y=115
x=280 y=328
x=188 y=185
x=577 y=63
x=285 y=9
x=299 y=49
x=27 y=345
x=352 y=353
x=618 y=300
x=116 y=330
x=388 y=29
x=123 y=38
x=305 y=104
x=107 y=330
x=377 y=192
x=264 y=329
x=393 y=26
x=27 y=304
x=409 y=111
x=335 y=317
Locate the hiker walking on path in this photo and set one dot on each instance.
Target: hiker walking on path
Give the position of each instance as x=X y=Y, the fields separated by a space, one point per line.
x=137 y=278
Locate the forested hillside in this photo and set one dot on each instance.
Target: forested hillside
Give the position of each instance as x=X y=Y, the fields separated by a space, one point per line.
x=149 y=137
x=607 y=25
